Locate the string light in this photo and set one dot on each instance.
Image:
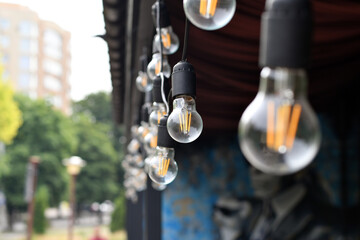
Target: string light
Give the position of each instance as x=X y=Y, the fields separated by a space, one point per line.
x=279 y=132
x=209 y=14
x=143 y=83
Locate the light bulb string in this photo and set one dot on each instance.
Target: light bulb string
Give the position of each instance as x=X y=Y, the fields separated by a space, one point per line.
x=186 y=37
x=159 y=33
x=161 y=60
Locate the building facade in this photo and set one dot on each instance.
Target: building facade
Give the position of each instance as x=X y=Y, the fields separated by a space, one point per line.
x=35 y=55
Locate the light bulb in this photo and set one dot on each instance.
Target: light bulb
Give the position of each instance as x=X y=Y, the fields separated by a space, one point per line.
x=209 y=14
x=150 y=141
x=163 y=168
x=136 y=160
x=147 y=163
x=184 y=124
x=154 y=66
x=143 y=83
x=279 y=133
x=157 y=112
x=158 y=187
x=133 y=146
x=169 y=39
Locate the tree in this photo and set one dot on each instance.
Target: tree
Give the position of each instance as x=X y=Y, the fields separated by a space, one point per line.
x=48 y=134
x=97 y=106
x=97 y=180
x=10 y=115
x=41 y=203
x=118 y=215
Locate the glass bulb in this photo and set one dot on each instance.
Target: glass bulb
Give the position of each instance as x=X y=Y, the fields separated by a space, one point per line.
x=143 y=83
x=133 y=146
x=279 y=133
x=170 y=40
x=209 y=14
x=158 y=187
x=184 y=123
x=153 y=68
x=143 y=130
x=150 y=142
x=136 y=160
x=147 y=163
x=157 y=112
x=163 y=168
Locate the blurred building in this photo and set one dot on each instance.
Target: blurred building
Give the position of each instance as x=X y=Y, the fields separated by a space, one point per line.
x=35 y=55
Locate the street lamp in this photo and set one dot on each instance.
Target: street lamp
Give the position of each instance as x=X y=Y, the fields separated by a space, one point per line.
x=73 y=167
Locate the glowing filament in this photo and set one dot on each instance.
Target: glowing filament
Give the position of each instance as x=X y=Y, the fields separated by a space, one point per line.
x=207 y=8
x=157 y=67
x=282 y=131
x=163 y=166
x=153 y=142
x=166 y=40
x=185 y=122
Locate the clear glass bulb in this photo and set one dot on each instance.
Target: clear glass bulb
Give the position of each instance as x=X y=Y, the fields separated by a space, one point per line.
x=143 y=130
x=153 y=68
x=143 y=83
x=150 y=142
x=133 y=146
x=184 y=123
x=157 y=112
x=158 y=187
x=209 y=14
x=279 y=133
x=147 y=163
x=169 y=39
x=136 y=160
x=163 y=168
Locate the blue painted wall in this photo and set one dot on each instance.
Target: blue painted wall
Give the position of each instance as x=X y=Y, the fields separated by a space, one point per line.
x=209 y=170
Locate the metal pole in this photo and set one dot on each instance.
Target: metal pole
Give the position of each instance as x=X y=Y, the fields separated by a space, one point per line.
x=72 y=205
x=34 y=161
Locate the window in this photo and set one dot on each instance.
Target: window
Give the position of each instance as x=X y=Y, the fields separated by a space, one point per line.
x=52 y=38
x=28 y=63
x=5 y=58
x=24 y=80
x=4 y=24
x=54 y=52
x=52 y=83
x=27 y=28
x=4 y=41
x=28 y=46
x=53 y=67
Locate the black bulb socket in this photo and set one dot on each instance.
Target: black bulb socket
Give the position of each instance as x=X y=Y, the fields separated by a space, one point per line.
x=164 y=139
x=145 y=112
x=156 y=92
x=183 y=80
x=286 y=32
x=143 y=62
x=164 y=15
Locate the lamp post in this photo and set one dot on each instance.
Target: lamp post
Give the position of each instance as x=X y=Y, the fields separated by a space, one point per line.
x=73 y=167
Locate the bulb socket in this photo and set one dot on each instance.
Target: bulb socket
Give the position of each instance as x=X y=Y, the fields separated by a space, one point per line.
x=164 y=139
x=183 y=80
x=286 y=31
x=156 y=92
x=143 y=62
x=164 y=15
x=145 y=112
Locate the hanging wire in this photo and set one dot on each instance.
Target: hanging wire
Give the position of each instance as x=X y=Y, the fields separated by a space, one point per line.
x=161 y=60
x=186 y=36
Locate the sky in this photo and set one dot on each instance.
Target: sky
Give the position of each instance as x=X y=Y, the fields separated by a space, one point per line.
x=89 y=54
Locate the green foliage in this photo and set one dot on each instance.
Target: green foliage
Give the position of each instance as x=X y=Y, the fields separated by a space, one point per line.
x=41 y=203
x=46 y=133
x=97 y=180
x=10 y=115
x=118 y=215
x=96 y=105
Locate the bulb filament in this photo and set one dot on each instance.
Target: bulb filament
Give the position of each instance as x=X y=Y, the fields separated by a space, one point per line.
x=157 y=68
x=163 y=166
x=143 y=81
x=207 y=8
x=185 y=122
x=283 y=131
x=153 y=142
x=166 y=40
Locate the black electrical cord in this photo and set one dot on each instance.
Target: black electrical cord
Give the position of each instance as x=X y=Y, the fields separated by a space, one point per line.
x=159 y=33
x=186 y=36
